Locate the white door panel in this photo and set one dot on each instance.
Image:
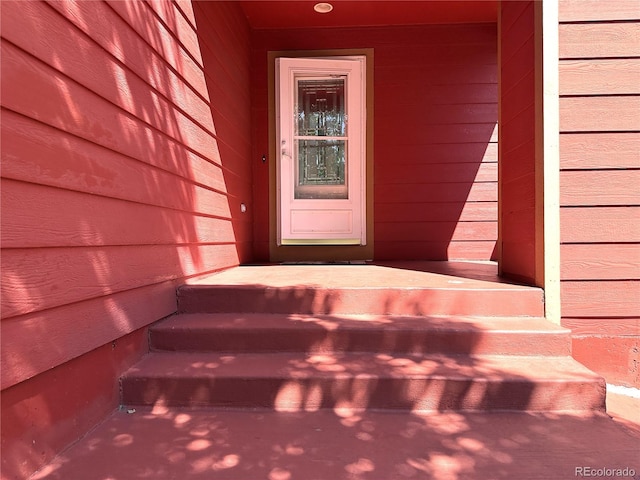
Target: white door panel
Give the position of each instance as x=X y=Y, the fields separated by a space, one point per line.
x=321 y=221
x=321 y=139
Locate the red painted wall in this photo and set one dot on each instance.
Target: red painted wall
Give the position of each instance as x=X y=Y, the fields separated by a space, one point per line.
x=435 y=151
x=600 y=184
x=125 y=158
x=517 y=140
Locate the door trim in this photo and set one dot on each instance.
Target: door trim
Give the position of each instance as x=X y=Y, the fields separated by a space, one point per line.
x=313 y=251
x=548 y=154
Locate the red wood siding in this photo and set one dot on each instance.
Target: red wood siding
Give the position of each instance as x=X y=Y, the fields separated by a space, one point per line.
x=41 y=416
x=125 y=158
x=435 y=144
x=517 y=140
x=600 y=183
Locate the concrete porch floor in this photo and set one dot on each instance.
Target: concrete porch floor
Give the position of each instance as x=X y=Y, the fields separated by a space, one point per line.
x=404 y=288
x=157 y=443
x=379 y=274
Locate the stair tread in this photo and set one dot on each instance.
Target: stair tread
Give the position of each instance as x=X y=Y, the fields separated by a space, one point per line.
x=395 y=276
x=359 y=365
x=252 y=321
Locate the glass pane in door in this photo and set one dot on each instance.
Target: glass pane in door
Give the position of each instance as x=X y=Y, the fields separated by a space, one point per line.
x=321 y=169
x=321 y=107
x=320 y=139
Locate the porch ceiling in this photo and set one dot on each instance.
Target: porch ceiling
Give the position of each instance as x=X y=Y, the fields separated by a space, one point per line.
x=266 y=14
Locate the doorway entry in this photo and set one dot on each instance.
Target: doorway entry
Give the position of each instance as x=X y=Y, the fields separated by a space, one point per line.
x=321 y=168
x=322 y=144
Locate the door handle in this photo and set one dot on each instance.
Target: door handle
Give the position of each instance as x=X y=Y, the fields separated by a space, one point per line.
x=284 y=151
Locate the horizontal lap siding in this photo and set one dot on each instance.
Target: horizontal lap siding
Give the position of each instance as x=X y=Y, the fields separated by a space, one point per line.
x=600 y=181
x=428 y=147
x=125 y=159
x=435 y=139
x=69 y=328
x=517 y=140
x=126 y=144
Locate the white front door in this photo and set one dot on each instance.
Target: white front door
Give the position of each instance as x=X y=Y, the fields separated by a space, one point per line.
x=321 y=148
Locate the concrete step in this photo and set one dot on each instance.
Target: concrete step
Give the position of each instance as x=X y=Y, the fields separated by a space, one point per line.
x=253 y=332
x=361 y=381
x=311 y=300
x=422 y=288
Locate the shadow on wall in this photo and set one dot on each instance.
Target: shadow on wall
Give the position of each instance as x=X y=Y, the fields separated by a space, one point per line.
x=438 y=168
x=435 y=139
x=121 y=176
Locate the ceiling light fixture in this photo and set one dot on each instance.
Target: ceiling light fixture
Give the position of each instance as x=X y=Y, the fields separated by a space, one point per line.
x=323 y=7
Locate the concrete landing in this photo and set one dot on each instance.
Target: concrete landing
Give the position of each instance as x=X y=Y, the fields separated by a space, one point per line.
x=397 y=288
x=164 y=444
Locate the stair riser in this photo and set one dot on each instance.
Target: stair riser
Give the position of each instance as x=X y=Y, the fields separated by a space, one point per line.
x=375 y=301
x=361 y=392
x=381 y=341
